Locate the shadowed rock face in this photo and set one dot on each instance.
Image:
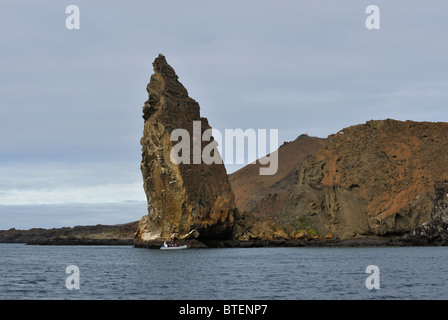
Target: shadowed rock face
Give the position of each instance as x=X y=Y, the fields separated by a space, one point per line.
x=184 y=200
x=378 y=178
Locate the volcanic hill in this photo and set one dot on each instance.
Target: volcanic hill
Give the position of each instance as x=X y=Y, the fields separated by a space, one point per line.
x=381 y=178
x=265 y=195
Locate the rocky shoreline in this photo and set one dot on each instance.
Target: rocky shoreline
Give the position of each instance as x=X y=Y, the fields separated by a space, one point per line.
x=430 y=234
x=258 y=243
x=255 y=243
x=434 y=233
x=122 y=234
x=323 y=243
x=81 y=242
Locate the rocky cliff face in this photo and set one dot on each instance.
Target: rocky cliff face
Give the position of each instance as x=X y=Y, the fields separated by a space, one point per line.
x=378 y=178
x=435 y=231
x=184 y=200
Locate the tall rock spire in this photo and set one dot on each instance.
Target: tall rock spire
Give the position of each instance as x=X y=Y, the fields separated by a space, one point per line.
x=185 y=200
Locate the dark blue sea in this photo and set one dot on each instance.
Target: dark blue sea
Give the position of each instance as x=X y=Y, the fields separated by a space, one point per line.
x=125 y=272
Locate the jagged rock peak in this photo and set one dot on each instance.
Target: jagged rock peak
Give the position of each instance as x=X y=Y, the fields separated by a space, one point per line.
x=162 y=67
x=165 y=91
x=162 y=70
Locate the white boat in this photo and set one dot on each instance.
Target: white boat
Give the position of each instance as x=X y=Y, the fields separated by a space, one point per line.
x=167 y=247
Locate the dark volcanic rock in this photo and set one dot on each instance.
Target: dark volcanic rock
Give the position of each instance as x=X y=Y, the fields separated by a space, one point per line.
x=435 y=231
x=122 y=234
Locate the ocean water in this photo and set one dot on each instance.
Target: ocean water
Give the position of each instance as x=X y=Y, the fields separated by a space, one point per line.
x=125 y=272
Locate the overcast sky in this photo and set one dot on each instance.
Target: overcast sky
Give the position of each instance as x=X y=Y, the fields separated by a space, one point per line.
x=71 y=100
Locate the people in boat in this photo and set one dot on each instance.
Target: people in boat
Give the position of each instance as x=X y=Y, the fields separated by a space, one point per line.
x=171 y=244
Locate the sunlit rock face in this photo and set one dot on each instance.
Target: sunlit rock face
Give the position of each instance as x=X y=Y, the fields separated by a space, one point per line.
x=378 y=178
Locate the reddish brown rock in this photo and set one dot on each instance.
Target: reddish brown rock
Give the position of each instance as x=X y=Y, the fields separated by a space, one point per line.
x=265 y=195
x=376 y=178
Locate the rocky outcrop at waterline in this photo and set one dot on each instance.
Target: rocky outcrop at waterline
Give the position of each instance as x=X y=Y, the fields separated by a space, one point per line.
x=435 y=231
x=120 y=234
x=185 y=200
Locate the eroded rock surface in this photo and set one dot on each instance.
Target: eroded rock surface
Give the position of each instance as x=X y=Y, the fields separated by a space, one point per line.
x=185 y=201
x=377 y=178
x=435 y=231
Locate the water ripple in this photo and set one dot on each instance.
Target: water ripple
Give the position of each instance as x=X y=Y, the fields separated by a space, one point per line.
x=124 y=272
